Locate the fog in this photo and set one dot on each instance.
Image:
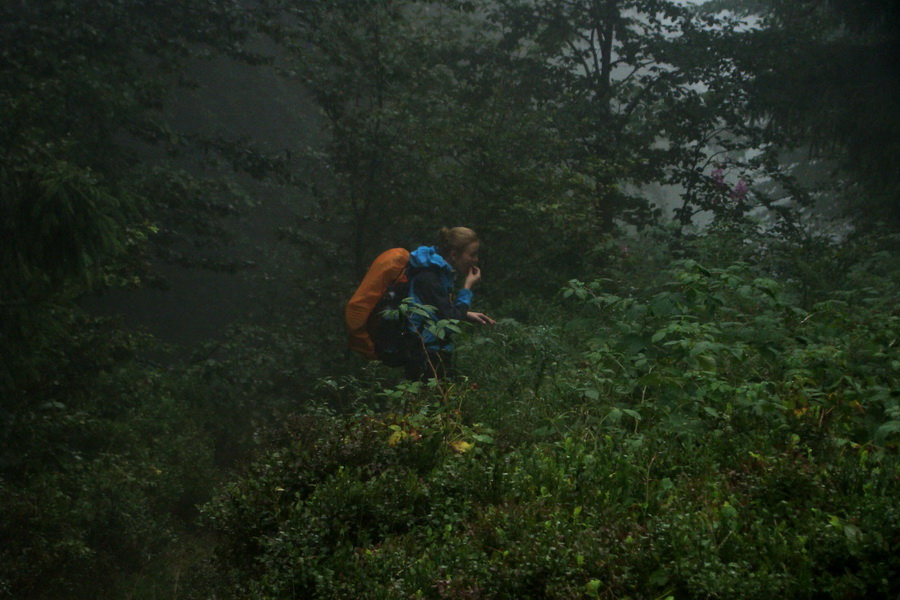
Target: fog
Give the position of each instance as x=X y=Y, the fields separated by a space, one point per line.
x=660 y=361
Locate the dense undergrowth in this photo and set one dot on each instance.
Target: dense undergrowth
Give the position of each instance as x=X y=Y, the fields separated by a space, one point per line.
x=701 y=414
x=708 y=420
x=711 y=431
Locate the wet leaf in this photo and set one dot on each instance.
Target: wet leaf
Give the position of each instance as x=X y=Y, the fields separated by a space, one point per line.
x=461 y=446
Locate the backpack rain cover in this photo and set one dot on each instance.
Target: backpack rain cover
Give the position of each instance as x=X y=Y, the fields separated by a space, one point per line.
x=386 y=270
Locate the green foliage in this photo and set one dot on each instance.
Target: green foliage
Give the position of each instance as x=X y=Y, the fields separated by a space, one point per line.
x=824 y=50
x=58 y=223
x=87 y=179
x=102 y=461
x=702 y=435
x=101 y=464
x=698 y=414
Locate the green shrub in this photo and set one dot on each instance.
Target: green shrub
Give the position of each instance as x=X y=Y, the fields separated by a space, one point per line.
x=706 y=437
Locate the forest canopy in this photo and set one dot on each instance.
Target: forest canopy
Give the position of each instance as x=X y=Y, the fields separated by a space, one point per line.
x=690 y=221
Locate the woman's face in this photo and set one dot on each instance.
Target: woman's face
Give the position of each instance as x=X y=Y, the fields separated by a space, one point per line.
x=465 y=259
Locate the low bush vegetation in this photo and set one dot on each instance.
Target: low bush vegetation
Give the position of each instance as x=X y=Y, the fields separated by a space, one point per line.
x=705 y=436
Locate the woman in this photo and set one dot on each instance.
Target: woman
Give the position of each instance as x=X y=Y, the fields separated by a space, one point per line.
x=431 y=272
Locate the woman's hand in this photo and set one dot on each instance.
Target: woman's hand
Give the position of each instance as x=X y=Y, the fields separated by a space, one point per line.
x=472 y=277
x=480 y=318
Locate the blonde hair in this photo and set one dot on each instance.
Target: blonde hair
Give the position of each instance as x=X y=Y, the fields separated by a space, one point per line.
x=454 y=239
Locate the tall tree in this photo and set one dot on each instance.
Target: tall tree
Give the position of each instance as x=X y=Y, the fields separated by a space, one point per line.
x=82 y=109
x=83 y=135
x=824 y=74
x=84 y=181
x=643 y=91
x=429 y=122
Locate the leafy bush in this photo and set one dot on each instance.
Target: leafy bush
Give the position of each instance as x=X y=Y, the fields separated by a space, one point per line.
x=707 y=437
x=102 y=465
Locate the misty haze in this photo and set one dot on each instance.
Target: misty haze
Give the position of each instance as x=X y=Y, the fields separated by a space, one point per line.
x=508 y=299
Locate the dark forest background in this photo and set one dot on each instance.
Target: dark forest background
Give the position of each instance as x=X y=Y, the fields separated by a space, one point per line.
x=690 y=225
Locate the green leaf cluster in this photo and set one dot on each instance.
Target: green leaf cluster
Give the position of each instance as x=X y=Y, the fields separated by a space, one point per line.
x=701 y=436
